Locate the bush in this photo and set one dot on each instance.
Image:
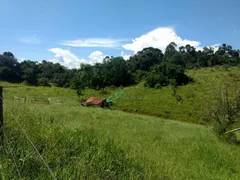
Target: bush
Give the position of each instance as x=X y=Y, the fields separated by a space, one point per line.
x=220 y=131
x=152 y=80
x=79 y=92
x=43 y=82
x=157 y=86
x=226 y=67
x=103 y=91
x=165 y=74
x=224 y=109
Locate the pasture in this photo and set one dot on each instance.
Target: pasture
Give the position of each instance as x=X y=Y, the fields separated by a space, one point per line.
x=93 y=143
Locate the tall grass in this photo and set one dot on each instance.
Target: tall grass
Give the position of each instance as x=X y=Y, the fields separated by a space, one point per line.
x=71 y=154
x=91 y=143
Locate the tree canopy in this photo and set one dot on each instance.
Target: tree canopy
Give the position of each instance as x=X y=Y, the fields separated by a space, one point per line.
x=150 y=65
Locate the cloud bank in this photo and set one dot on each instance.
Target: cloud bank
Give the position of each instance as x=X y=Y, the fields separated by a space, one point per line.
x=96 y=57
x=66 y=58
x=158 y=38
x=70 y=60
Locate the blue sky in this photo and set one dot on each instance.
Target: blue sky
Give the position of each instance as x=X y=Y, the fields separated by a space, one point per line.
x=76 y=31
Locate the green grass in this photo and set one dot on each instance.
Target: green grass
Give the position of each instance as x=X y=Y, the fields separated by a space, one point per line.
x=161 y=102
x=93 y=143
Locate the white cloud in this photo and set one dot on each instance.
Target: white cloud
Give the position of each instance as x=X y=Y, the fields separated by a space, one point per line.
x=125 y=56
x=96 y=57
x=94 y=42
x=66 y=58
x=30 y=40
x=158 y=38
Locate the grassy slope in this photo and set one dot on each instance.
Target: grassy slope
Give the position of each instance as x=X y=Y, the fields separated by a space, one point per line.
x=155 y=147
x=113 y=143
x=161 y=102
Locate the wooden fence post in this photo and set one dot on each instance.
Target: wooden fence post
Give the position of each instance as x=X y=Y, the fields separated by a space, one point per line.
x=1 y=120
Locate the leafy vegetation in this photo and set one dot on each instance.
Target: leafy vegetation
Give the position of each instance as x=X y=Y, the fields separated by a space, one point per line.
x=34 y=73
x=112 y=72
x=92 y=143
x=149 y=65
x=224 y=108
x=189 y=103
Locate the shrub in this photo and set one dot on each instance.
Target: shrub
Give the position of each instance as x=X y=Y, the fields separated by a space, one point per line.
x=157 y=86
x=226 y=67
x=166 y=74
x=103 y=91
x=220 y=131
x=224 y=109
x=152 y=80
x=79 y=92
x=43 y=82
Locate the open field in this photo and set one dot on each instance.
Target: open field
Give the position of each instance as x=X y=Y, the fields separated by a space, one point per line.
x=138 y=99
x=160 y=102
x=92 y=143
x=89 y=143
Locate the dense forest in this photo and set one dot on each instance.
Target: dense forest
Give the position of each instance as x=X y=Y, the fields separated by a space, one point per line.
x=150 y=65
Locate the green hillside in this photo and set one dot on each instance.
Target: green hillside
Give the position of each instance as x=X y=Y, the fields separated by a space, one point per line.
x=92 y=143
x=160 y=102
x=100 y=143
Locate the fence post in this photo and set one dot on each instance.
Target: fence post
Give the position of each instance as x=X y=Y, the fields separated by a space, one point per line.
x=1 y=120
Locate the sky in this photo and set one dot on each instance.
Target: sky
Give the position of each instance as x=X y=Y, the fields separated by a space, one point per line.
x=71 y=32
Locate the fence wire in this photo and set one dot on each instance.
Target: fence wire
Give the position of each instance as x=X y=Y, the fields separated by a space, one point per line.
x=30 y=141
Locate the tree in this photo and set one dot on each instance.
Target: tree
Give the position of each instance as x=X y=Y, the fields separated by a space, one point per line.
x=84 y=75
x=166 y=73
x=153 y=79
x=224 y=108
x=116 y=72
x=191 y=50
x=43 y=82
x=208 y=51
x=229 y=50
x=170 y=50
x=9 y=68
x=8 y=54
x=177 y=58
x=29 y=71
x=144 y=59
x=182 y=49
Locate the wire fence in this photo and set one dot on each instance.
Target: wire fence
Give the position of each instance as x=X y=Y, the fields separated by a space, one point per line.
x=12 y=156
x=21 y=128
x=30 y=141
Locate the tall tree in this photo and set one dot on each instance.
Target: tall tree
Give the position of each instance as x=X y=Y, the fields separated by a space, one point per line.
x=182 y=49
x=9 y=68
x=170 y=50
x=144 y=59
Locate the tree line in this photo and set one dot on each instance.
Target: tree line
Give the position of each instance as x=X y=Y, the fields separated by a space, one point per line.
x=34 y=73
x=150 y=65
